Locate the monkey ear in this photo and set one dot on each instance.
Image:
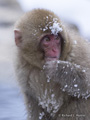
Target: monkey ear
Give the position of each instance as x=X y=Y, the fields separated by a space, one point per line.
x=18 y=36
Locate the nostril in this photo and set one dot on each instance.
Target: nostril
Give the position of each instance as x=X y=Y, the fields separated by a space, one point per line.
x=54 y=50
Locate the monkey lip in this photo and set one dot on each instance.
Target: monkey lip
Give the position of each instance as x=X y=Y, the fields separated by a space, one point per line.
x=51 y=58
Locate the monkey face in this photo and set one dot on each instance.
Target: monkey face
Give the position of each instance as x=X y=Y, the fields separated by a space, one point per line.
x=40 y=37
x=51 y=45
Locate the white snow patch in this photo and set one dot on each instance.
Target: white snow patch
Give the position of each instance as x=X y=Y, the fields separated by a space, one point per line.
x=49 y=103
x=52 y=95
x=74 y=80
x=58 y=61
x=83 y=70
x=66 y=73
x=75 y=85
x=66 y=86
x=41 y=115
x=78 y=96
x=48 y=78
x=78 y=66
x=44 y=66
x=63 y=90
x=87 y=96
x=63 y=67
x=67 y=65
x=75 y=42
x=29 y=116
x=71 y=69
x=55 y=28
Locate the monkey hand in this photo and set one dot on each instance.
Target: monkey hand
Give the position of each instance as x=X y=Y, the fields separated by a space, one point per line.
x=72 y=79
x=50 y=68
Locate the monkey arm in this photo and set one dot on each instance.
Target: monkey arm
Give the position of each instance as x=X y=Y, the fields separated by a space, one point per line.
x=35 y=112
x=71 y=77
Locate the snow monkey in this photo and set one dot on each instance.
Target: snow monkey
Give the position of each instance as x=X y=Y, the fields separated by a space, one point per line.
x=52 y=68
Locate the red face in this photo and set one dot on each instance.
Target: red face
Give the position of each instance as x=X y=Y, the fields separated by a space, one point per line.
x=51 y=45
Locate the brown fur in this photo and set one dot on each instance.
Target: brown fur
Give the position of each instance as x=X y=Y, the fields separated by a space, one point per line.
x=45 y=98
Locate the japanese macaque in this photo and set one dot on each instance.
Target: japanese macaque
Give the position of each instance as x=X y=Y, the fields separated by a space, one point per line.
x=52 y=68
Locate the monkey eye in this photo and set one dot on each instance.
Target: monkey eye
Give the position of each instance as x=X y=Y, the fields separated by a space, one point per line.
x=57 y=37
x=47 y=39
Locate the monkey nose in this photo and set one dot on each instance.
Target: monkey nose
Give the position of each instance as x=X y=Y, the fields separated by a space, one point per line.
x=54 y=50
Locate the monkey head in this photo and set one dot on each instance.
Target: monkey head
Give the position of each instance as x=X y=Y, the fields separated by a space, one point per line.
x=40 y=37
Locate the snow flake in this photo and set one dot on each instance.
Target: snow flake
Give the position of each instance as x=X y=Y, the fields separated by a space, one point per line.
x=66 y=86
x=52 y=95
x=48 y=78
x=83 y=70
x=49 y=103
x=75 y=85
x=55 y=28
x=87 y=96
x=41 y=115
x=58 y=61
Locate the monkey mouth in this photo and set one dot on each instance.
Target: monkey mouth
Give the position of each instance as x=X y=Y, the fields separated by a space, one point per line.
x=51 y=58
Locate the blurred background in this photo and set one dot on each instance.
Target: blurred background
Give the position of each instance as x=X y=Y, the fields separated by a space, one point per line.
x=75 y=14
